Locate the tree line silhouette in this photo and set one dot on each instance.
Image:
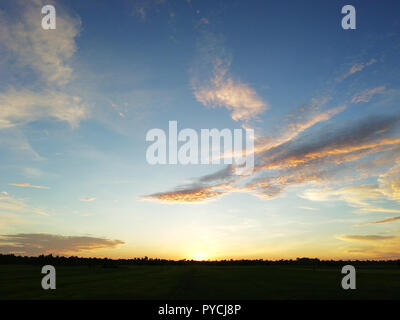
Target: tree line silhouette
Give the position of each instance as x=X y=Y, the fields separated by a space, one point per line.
x=114 y=263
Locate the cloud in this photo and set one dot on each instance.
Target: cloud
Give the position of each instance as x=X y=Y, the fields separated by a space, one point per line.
x=386 y=220
x=9 y=204
x=16 y=142
x=363 y=196
x=214 y=86
x=46 y=52
x=23 y=106
x=357 y=67
x=313 y=161
x=222 y=174
x=390 y=182
x=366 y=238
x=238 y=97
x=12 y=219
x=87 y=199
x=189 y=195
x=308 y=208
x=389 y=97
x=379 y=209
x=293 y=157
x=356 y=196
x=366 y=95
x=367 y=134
x=226 y=175
x=360 y=196
x=32 y=172
x=141 y=8
x=43 y=243
x=372 y=246
x=47 y=55
x=28 y=185
x=294 y=129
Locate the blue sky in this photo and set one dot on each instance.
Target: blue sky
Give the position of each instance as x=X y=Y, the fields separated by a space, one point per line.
x=76 y=104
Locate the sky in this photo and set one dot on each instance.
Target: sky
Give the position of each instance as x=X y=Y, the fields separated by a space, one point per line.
x=77 y=102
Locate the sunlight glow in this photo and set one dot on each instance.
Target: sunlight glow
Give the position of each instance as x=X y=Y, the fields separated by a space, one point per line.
x=200 y=256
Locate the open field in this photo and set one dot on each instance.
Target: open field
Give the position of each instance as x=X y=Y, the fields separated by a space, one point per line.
x=198 y=282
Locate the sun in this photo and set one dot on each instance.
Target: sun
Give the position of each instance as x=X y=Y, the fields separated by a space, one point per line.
x=200 y=256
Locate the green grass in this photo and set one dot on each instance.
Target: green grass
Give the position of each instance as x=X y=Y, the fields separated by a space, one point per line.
x=199 y=282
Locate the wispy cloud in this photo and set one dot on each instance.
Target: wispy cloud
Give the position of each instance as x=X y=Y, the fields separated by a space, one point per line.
x=11 y=219
x=141 y=8
x=188 y=195
x=32 y=172
x=379 y=209
x=28 y=185
x=48 y=56
x=393 y=219
x=236 y=96
x=295 y=128
x=308 y=208
x=313 y=161
x=357 y=67
x=44 y=243
x=47 y=53
x=355 y=195
x=359 y=196
x=23 y=106
x=10 y=204
x=363 y=238
x=214 y=85
x=372 y=246
x=366 y=95
x=87 y=199
x=390 y=181
x=16 y=142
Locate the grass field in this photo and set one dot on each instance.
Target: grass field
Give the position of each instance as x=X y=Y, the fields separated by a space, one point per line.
x=198 y=282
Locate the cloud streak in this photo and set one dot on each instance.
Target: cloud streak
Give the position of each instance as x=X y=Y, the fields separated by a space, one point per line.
x=298 y=162
x=44 y=243
x=87 y=199
x=366 y=95
x=372 y=246
x=388 y=220
x=9 y=204
x=357 y=67
x=28 y=185
x=366 y=238
x=188 y=195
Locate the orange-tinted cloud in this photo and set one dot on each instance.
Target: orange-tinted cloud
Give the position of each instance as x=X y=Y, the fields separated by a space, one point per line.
x=316 y=161
x=87 y=199
x=44 y=243
x=28 y=185
x=366 y=95
x=198 y=194
x=295 y=128
x=366 y=238
x=393 y=219
x=236 y=96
